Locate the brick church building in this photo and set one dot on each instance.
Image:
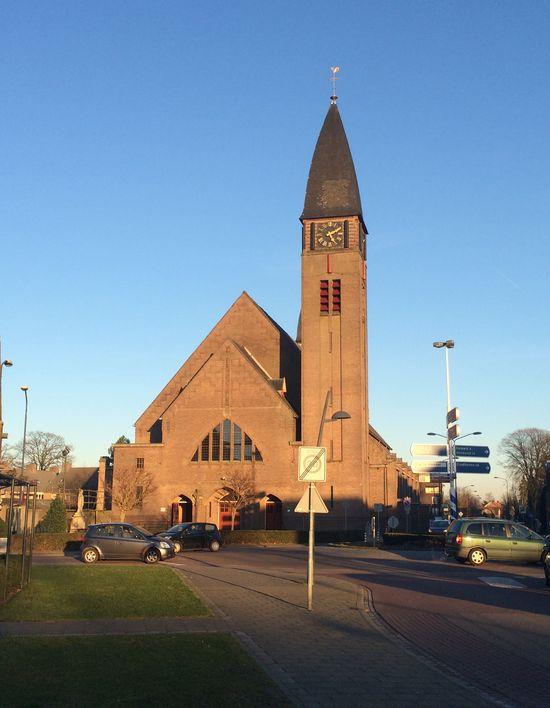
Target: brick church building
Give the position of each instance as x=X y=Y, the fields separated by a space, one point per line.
x=251 y=394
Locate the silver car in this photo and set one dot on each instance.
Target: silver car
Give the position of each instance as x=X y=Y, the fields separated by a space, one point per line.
x=124 y=542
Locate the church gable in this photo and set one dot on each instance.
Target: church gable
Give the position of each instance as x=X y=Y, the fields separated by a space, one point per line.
x=231 y=378
x=232 y=386
x=246 y=323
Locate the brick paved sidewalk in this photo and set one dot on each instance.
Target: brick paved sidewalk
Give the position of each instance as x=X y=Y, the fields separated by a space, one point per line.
x=340 y=654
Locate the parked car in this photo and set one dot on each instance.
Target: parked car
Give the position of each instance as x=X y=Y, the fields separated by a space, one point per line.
x=438 y=525
x=124 y=541
x=477 y=540
x=194 y=535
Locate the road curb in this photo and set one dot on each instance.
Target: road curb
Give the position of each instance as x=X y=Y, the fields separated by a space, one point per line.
x=408 y=646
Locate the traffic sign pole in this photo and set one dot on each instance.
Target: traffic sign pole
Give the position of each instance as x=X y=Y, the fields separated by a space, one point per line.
x=311 y=550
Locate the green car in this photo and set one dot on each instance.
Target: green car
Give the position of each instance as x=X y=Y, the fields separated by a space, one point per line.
x=478 y=540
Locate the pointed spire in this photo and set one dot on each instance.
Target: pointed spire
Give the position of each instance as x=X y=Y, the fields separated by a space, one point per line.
x=332 y=188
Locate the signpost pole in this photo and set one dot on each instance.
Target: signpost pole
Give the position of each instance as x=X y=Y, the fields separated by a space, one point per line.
x=453 y=498
x=310 y=551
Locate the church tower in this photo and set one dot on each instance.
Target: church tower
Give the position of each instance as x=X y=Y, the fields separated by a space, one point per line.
x=333 y=317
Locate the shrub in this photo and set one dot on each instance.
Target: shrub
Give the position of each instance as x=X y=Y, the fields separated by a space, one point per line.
x=55 y=520
x=48 y=542
x=269 y=537
x=3 y=528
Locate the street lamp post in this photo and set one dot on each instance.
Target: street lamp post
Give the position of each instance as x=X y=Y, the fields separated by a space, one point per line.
x=3 y=362
x=468 y=499
x=338 y=415
x=25 y=390
x=64 y=454
x=503 y=479
x=453 y=497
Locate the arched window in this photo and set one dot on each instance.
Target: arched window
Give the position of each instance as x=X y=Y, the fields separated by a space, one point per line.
x=227 y=442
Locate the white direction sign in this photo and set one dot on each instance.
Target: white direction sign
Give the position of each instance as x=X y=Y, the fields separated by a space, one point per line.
x=425 y=466
x=311 y=501
x=312 y=464
x=439 y=450
x=436 y=478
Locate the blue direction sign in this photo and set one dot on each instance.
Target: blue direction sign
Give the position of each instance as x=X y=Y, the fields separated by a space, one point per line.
x=473 y=467
x=471 y=451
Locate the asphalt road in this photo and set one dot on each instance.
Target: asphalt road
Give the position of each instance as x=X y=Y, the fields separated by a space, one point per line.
x=491 y=624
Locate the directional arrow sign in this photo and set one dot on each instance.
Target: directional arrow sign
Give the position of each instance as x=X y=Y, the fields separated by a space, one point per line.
x=453 y=432
x=471 y=451
x=428 y=478
x=429 y=466
x=452 y=416
x=439 y=450
x=311 y=501
x=473 y=467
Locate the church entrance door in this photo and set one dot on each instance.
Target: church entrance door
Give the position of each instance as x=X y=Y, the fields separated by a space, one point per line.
x=273 y=513
x=182 y=510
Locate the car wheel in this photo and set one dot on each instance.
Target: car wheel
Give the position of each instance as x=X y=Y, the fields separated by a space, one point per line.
x=90 y=555
x=177 y=546
x=214 y=546
x=477 y=556
x=151 y=556
x=544 y=556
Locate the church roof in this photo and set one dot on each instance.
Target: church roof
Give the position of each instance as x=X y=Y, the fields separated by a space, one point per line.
x=332 y=188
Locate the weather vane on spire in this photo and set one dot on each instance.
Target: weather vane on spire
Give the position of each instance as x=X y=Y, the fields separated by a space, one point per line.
x=334 y=79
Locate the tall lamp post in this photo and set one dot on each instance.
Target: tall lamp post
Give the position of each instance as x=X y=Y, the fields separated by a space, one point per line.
x=467 y=486
x=338 y=415
x=5 y=362
x=453 y=498
x=503 y=479
x=25 y=390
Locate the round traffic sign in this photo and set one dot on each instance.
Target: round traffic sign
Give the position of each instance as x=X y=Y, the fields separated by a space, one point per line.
x=393 y=522
x=314 y=467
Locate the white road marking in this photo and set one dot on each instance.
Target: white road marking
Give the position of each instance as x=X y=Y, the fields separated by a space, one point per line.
x=501 y=582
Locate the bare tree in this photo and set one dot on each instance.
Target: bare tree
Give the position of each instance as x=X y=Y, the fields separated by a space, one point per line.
x=44 y=450
x=131 y=487
x=240 y=488
x=524 y=453
x=470 y=503
x=8 y=457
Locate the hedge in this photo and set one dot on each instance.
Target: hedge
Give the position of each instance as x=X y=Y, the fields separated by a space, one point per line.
x=414 y=540
x=48 y=542
x=282 y=537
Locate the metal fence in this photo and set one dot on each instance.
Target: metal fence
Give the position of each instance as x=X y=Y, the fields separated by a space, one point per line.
x=19 y=496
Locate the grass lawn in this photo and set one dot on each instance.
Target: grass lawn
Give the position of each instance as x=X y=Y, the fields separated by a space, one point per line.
x=168 y=670
x=87 y=592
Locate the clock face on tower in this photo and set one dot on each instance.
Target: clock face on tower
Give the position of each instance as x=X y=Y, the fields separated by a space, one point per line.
x=329 y=234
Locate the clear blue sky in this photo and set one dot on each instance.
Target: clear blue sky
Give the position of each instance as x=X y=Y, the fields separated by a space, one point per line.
x=154 y=162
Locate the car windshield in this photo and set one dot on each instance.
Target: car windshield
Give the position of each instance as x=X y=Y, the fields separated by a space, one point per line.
x=144 y=531
x=177 y=528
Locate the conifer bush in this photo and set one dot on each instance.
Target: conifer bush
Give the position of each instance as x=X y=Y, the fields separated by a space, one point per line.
x=55 y=520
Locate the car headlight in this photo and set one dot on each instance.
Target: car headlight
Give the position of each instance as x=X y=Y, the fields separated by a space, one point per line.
x=163 y=544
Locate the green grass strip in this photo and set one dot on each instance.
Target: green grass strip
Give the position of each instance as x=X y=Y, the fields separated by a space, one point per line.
x=157 y=670
x=92 y=592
